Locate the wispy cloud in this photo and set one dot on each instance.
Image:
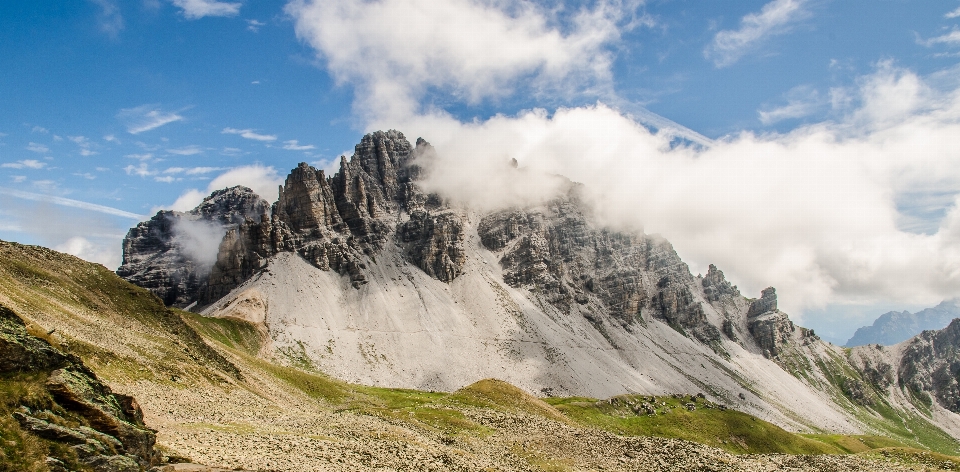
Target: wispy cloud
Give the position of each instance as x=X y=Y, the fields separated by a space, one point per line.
x=250 y=134
x=952 y=39
x=69 y=203
x=37 y=148
x=140 y=157
x=293 y=145
x=25 y=164
x=774 y=19
x=196 y=9
x=110 y=19
x=801 y=101
x=85 y=145
x=146 y=117
x=192 y=170
x=40 y=129
x=186 y=150
x=254 y=25
x=142 y=170
x=953 y=14
x=111 y=139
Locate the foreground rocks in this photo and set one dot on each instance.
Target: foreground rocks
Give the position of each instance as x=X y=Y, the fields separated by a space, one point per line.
x=101 y=429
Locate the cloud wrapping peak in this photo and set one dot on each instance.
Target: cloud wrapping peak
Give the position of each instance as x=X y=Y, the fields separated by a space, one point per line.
x=815 y=212
x=774 y=18
x=145 y=118
x=397 y=50
x=196 y=9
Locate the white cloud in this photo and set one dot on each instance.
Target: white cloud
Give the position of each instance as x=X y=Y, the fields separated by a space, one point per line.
x=145 y=118
x=142 y=170
x=953 y=14
x=196 y=9
x=192 y=170
x=186 y=150
x=395 y=50
x=111 y=139
x=165 y=179
x=91 y=252
x=140 y=157
x=801 y=101
x=87 y=152
x=816 y=212
x=952 y=39
x=254 y=25
x=40 y=129
x=110 y=18
x=25 y=164
x=774 y=18
x=229 y=151
x=86 y=175
x=250 y=134
x=293 y=145
x=19 y=178
x=38 y=148
x=265 y=181
x=67 y=202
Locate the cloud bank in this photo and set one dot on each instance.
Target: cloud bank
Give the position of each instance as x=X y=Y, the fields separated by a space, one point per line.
x=827 y=212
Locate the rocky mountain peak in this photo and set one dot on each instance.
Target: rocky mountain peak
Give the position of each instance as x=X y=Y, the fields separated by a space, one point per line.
x=336 y=223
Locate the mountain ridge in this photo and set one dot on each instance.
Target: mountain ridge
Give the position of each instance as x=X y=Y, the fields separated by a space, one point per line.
x=895 y=327
x=367 y=277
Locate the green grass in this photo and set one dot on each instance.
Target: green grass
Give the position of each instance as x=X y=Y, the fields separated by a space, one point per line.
x=730 y=430
x=852 y=444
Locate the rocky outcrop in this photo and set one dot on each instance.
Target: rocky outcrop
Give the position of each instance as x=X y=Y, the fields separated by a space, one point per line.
x=716 y=286
x=770 y=328
x=172 y=253
x=96 y=427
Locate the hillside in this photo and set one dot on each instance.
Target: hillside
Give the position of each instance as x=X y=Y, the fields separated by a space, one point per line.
x=259 y=415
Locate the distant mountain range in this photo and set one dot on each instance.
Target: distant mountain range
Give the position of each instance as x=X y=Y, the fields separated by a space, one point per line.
x=895 y=327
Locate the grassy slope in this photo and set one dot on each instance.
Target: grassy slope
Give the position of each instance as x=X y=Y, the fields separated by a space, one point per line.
x=83 y=299
x=914 y=429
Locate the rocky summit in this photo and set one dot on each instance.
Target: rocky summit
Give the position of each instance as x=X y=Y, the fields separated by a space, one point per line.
x=367 y=277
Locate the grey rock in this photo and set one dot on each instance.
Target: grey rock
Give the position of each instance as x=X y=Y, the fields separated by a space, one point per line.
x=765 y=304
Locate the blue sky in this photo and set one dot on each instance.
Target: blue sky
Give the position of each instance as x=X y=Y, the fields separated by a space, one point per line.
x=804 y=144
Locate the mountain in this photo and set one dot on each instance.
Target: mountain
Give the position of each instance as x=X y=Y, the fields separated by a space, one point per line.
x=203 y=385
x=893 y=327
x=366 y=277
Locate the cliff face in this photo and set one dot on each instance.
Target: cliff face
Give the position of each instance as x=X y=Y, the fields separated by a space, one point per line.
x=172 y=254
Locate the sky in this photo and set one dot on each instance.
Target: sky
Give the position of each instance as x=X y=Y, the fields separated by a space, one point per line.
x=810 y=145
